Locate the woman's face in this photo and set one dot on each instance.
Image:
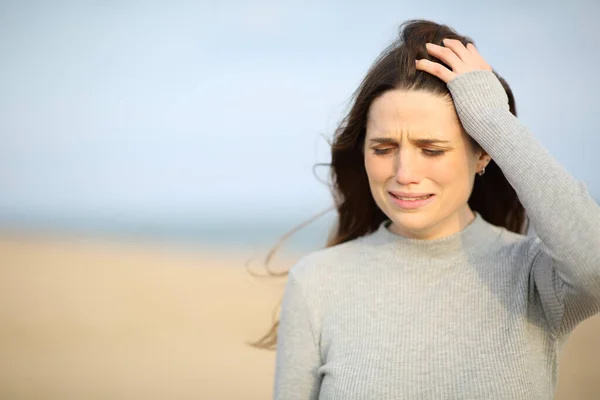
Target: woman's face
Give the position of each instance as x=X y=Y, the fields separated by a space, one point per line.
x=415 y=146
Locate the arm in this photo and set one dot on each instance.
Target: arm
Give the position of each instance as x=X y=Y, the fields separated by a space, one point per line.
x=298 y=358
x=566 y=257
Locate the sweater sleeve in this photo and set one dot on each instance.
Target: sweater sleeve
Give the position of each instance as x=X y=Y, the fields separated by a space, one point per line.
x=298 y=358
x=565 y=256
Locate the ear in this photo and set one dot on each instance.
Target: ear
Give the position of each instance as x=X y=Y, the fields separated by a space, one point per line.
x=483 y=159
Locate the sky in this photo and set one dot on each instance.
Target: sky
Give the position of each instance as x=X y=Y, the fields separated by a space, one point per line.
x=218 y=111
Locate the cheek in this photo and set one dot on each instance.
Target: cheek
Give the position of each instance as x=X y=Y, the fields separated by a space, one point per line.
x=450 y=170
x=377 y=168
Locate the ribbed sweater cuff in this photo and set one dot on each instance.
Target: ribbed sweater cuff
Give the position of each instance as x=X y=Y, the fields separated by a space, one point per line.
x=477 y=91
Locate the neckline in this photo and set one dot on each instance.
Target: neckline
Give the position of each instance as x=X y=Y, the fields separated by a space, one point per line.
x=472 y=239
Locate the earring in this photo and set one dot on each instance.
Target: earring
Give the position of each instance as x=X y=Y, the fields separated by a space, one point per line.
x=481 y=172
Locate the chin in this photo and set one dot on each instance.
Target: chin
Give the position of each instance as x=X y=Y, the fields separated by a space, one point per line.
x=412 y=223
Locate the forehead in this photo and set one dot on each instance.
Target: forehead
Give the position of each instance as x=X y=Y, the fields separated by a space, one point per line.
x=398 y=111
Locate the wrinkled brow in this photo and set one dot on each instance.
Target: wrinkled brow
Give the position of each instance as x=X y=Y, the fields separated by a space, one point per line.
x=416 y=141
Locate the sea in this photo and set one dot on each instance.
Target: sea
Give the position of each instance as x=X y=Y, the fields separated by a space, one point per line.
x=218 y=232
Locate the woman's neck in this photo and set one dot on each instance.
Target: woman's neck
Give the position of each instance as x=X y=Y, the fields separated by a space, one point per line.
x=450 y=225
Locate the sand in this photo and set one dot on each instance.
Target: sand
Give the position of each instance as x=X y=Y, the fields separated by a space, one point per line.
x=105 y=319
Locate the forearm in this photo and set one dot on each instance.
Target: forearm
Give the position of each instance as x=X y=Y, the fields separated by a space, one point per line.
x=565 y=217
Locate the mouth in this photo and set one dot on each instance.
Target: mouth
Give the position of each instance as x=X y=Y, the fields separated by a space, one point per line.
x=411 y=198
x=411 y=202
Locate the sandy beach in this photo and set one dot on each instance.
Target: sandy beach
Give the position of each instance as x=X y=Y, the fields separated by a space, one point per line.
x=105 y=319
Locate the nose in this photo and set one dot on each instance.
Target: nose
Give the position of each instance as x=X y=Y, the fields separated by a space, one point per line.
x=407 y=167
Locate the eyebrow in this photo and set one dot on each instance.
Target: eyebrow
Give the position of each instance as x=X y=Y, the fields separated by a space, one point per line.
x=418 y=141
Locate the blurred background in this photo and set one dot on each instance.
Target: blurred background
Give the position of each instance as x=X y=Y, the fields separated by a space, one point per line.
x=151 y=151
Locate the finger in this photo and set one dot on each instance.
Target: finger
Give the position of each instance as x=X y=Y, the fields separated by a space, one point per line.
x=435 y=69
x=471 y=47
x=476 y=57
x=457 y=47
x=445 y=54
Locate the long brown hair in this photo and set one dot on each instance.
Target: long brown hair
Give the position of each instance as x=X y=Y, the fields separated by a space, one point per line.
x=493 y=197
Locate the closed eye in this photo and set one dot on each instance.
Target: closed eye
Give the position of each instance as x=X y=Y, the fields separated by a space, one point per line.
x=434 y=153
x=429 y=153
x=382 y=151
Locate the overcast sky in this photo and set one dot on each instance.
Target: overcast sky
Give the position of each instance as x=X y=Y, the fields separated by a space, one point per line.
x=219 y=109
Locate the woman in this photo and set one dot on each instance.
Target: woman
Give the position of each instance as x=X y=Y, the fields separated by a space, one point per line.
x=429 y=289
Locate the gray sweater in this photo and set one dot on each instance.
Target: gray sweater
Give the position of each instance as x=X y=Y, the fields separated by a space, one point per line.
x=480 y=314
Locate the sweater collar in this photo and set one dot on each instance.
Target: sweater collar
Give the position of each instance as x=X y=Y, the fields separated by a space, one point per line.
x=474 y=238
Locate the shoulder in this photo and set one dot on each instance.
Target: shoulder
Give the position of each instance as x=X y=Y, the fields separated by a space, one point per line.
x=329 y=262
x=524 y=247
